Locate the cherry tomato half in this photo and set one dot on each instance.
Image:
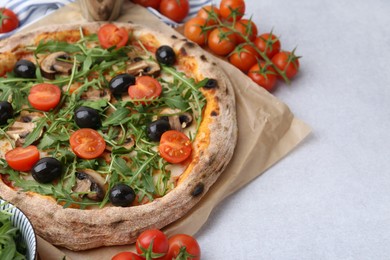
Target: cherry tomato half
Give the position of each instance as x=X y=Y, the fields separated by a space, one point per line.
x=182 y=246
x=110 y=35
x=146 y=88
x=148 y=3
x=175 y=10
x=87 y=143
x=8 y=20
x=175 y=147
x=232 y=8
x=287 y=62
x=127 y=256
x=158 y=240
x=22 y=158
x=264 y=76
x=193 y=30
x=222 y=41
x=244 y=57
x=268 y=43
x=44 y=96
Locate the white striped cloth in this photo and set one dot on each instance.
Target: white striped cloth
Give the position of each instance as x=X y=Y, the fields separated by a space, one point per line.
x=29 y=11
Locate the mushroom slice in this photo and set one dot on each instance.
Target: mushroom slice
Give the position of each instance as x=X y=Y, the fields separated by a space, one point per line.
x=143 y=67
x=53 y=64
x=93 y=94
x=19 y=130
x=177 y=120
x=128 y=143
x=90 y=184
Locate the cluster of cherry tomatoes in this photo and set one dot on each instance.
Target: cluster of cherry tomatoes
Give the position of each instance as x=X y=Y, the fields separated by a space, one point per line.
x=154 y=244
x=175 y=10
x=225 y=33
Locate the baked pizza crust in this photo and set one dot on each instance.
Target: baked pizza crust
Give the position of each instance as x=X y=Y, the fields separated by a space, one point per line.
x=213 y=148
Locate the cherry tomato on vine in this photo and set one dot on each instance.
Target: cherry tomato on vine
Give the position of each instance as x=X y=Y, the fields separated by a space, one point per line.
x=110 y=35
x=287 y=62
x=175 y=10
x=230 y=9
x=127 y=256
x=44 y=96
x=175 y=147
x=22 y=158
x=222 y=41
x=268 y=43
x=193 y=30
x=209 y=13
x=148 y=3
x=8 y=20
x=182 y=246
x=246 y=27
x=87 y=143
x=264 y=76
x=145 y=87
x=155 y=239
x=243 y=57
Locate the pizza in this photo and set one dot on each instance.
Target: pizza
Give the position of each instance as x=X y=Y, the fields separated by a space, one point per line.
x=109 y=129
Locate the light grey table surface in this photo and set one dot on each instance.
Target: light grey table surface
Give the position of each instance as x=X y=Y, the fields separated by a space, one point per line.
x=329 y=198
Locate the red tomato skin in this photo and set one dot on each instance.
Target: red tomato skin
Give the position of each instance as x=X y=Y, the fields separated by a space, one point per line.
x=288 y=62
x=193 y=30
x=267 y=79
x=87 y=143
x=179 y=240
x=204 y=13
x=226 y=7
x=175 y=10
x=148 y=3
x=175 y=147
x=273 y=46
x=160 y=242
x=222 y=45
x=44 y=96
x=110 y=35
x=244 y=58
x=145 y=87
x=22 y=159
x=10 y=23
x=241 y=26
x=127 y=256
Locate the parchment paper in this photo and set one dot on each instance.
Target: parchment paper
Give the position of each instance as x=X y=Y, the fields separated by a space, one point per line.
x=267 y=132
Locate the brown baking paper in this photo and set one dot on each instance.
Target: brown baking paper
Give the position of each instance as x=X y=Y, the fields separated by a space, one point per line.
x=267 y=132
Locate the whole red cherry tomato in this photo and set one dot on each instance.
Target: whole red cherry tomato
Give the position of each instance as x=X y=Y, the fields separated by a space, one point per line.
x=287 y=62
x=127 y=256
x=243 y=57
x=222 y=41
x=193 y=30
x=268 y=43
x=247 y=28
x=182 y=246
x=263 y=75
x=230 y=9
x=8 y=20
x=152 y=243
x=175 y=10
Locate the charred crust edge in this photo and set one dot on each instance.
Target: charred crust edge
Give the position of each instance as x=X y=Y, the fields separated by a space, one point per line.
x=198 y=189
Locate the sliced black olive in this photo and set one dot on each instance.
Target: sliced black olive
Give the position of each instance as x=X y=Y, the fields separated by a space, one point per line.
x=166 y=55
x=6 y=112
x=47 y=170
x=87 y=117
x=25 y=69
x=211 y=83
x=120 y=83
x=156 y=128
x=185 y=120
x=121 y=195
